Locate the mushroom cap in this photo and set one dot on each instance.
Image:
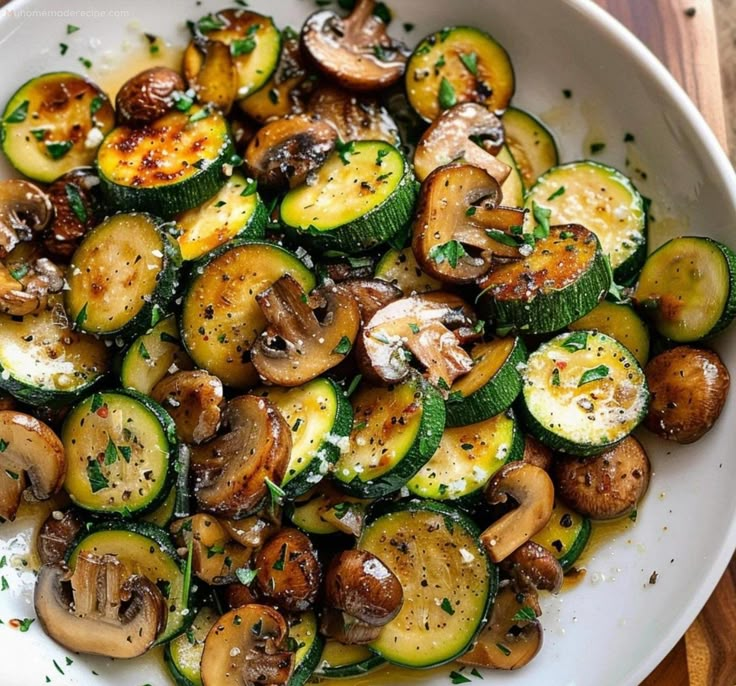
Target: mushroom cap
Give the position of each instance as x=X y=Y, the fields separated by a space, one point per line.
x=24 y=210
x=533 y=567
x=147 y=96
x=56 y=535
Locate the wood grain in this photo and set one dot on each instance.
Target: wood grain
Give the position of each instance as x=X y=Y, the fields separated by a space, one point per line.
x=686 y=44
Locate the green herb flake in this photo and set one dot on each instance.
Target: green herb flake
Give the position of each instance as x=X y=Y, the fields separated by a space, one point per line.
x=555 y=377
x=503 y=238
x=209 y=23
x=183 y=101
x=576 y=341
x=86 y=62
x=19 y=114
x=343 y=347
x=279 y=564
x=524 y=614
x=69 y=661
x=74 y=197
x=96 y=104
x=63 y=47
x=215 y=549
x=25 y=624
x=633 y=515
x=595 y=374
x=3 y=561
x=503 y=649
x=458 y=678
x=277 y=493
x=250 y=188
x=126 y=451
x=359 y=426
x=199 y=115
x=58 y=149
x=444 y=34
x=354 y=383
x=476 y=673
x=70 y=29
x=470 y=62
x=111 y=452
x=345 y=150
x=246 y=576
x=471 y=211
x=408 y=27
x=156 y=315
x=413 y=327
x=143 y=351
x=447 y=95
x=381 y=154
x=597 y=147
x=449 y=252
x=446 y=605
x=187 y=582
x=560 y=191
x=541 y=216
x=97 y=402
x=242 y=46
x=341 y=509
x=97 y=480
x=4 y=586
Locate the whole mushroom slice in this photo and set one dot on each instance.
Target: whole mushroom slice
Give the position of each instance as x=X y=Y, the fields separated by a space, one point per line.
x=100 y=608
x=25 y=287
x=232 y=472
x=532 y=489
x=24 y=210
x=606 y=486
x=513 y=635
x=532 y=567
x=194 y=400
x=247 y=647
x=30 y=447
x=297 y=346
x=361 y=594
x=57 y=534
x=211 y=72
x=459 y=228
x=356 y=50
x=285 y=151
x=470 y=132
x=147 y=96
x=371 y=295
x=431 y=327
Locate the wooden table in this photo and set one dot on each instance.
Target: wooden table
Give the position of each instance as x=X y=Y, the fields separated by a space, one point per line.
x=682 y=34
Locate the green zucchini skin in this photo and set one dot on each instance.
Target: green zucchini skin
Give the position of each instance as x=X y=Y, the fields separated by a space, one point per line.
x=304 y=630
x=566 y=543
x=351 y=668
x=531 y=143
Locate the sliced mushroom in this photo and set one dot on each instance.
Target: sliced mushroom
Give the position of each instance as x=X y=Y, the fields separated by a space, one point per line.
x=215 y=556
x=688 y=389
x=532 y=567
x=532 y=489
x=100 y=608
x=606 y=486
x=537 y=453
x=12 y=485
x=371 y=295
x=458 y=227
x=239 y=595
x=356 y=50
x=355 y=118
x=362 y=594
x=194 y=400
x=431 y=326
x=297 y=347
x=25 y=288
x=56 y=535
x=247 y=647
x=468 y=132
x=147 y=96
x=211 y=72
x=231 y=473
x=28 y=446
x=75 y=211
x=285 y=151
x=288 y=571
x=254 y=531
x=508 y=641
x=24 y=210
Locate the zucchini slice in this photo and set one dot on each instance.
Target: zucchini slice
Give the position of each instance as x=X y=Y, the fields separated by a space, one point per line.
x=147 y=550
x=171 y=165
x=164 y=513
x=455 y=65
x=565 y=535
x=491 y=386
x=326 y=510
x=395 y=431
x=400 y=267
x=220 y=318
x=687 y=288
x=467 y=458
x=320 y=418
x=42 y=361
x=513 y=189
x=342 y=661
x=123 y=276
x=448 y=581
x=307 y=643
x=604 y=201
x=531 y=143
x=620 y=322
x=54 y=123
x=583 y=393
x=564 y=278
x=183 y=654
x=236 y=211
x=362 y=196
x=150 y=356
x=119 y=447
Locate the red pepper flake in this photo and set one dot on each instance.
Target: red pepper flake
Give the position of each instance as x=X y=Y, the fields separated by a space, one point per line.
x=103 y=412
x=560 y=364
x=14 y=623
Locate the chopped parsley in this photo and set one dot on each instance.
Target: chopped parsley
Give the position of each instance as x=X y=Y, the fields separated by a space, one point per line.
x=279 y=564
x=595 y=374
x=343 y=347
x=576 y=341
x=470 y=62
x=70 y=29
x=524 y=614
x=447 y=95
x=345 y=150
x=97 y=480
x=541 y=216
x=555 y=377
x=246 y=576
x=277 y=493
x=446 y=605
x=449 y=252
x=560 y=191
x=597 y=147
x=19 y=114
x=74 y=197
x=111 y=452
x=143 y=351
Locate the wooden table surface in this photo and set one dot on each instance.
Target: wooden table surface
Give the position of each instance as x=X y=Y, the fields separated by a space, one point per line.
x=682 y=33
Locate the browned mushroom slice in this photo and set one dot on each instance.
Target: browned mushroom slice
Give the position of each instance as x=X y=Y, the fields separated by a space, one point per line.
x=537 y=453
x=532 y=567
x=194 y=401
x=430 y=326
x=459 y=229
x=468 y=132
x=24 y=210
x=288 y=571
x=232 y=472
x=211 y=72
x=147 y=96
x=254 y=531
x=215 y=556
x=356 y=51
x=247 y=647
x=238 y=594
x=513 y=635
x=689 y=387
x=354 y=118
x=100 y=609
x=25 y=287
x=28 y=446
x=297 y=347
x=606 y=486
x=56 y=535
x=12 y=485
x=362 y=594
x=532 y=489
x=285 y=151
x=371 y=295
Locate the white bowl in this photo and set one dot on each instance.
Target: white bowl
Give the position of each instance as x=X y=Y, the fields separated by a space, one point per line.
x=614 y=627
